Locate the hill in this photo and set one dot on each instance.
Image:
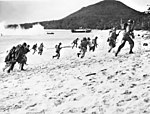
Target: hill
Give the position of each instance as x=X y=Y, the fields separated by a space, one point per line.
x=102 y=15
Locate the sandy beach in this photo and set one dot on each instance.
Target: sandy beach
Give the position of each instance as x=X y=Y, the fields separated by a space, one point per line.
x=100 y=83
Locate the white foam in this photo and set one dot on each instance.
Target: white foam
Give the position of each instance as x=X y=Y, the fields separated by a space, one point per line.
x=35 y=30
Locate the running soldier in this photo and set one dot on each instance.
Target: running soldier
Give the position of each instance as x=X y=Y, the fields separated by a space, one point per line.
x=34 y=48
x=112 y=38
x=128 y=35
x=94 y=44
x=83 y=47
x=16 y=54
x=40 y=48
x=75 y=43
x=10 y=60
x=89 y=43
x=94 y=41
x=21 y=55
x=58 y=48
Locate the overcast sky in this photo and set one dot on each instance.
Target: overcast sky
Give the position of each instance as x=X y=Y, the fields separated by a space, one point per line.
x=22 y=11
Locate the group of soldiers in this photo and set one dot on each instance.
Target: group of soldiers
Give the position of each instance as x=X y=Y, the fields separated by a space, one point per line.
x=83 y=46
x=18 y=53
x=128 y=35
x=40 y=48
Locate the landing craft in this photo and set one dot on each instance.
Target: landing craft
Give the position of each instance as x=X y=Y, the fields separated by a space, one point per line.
x=50 y=33
x=81 y=30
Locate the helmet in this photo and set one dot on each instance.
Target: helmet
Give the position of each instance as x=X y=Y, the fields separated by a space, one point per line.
x=13 y=47
x=89 y=38
x=130 y=21
x=114 y=29
x=25 y=44
x=84 y=38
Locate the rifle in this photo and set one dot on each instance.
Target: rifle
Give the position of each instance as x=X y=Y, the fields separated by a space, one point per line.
x=61 y=47
x=66 y=47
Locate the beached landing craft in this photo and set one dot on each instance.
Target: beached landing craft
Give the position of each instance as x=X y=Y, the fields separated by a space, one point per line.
x=50 y=33
x=81 y=30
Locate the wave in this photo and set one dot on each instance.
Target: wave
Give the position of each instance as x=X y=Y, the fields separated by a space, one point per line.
x=35 y=30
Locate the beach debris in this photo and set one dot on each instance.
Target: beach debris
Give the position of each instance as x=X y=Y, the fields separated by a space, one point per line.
x=103 y=69
x=128 y=99
x=91 y=74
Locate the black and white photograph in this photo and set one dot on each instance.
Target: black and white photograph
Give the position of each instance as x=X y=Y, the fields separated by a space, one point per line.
x=74 y=56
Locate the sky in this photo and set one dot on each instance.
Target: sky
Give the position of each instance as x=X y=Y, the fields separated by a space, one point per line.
x=24 y=11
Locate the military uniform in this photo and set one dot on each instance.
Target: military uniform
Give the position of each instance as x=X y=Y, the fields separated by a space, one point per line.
x=127 y=36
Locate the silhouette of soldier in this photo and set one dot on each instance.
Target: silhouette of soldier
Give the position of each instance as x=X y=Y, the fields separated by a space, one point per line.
x=34 y=48
x=10 y=60
x=75 y=43
x=58 y=48
x=127 y=36
x=112 y=38
x=40 y=48
x=83 y=47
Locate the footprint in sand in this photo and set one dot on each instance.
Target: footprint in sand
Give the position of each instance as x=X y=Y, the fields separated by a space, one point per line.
x=121 y=103
x=133 y=85
x=127 y=92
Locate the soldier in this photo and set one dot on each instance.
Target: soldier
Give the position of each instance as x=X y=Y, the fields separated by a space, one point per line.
x=112 y=38
x=26 y=51
x=93 y=44
x=127 y=36
x=89 y=43
x=21 y=55
x=58 y=48
x=75 y=43
x=83 y=47
x=41 y=49
x=10 y=60
x=34 y=48
x=94 y=41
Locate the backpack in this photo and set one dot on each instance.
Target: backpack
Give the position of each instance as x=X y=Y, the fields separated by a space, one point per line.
x=8 y=57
